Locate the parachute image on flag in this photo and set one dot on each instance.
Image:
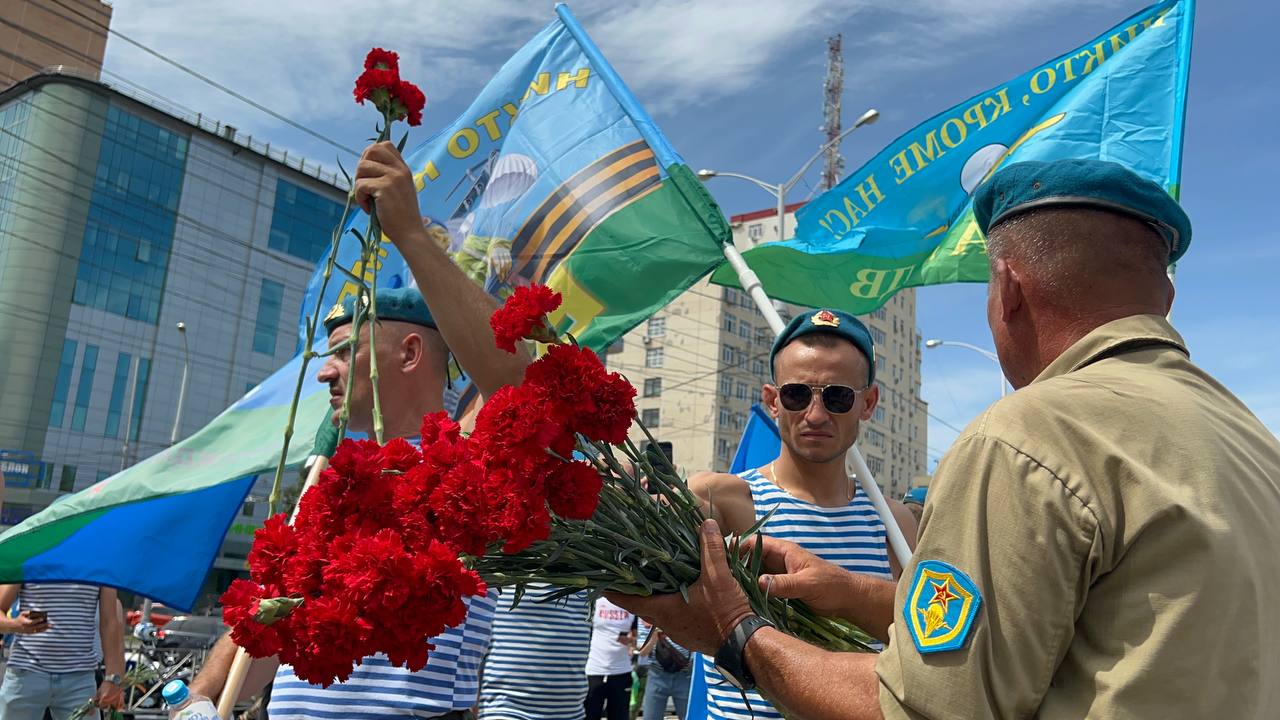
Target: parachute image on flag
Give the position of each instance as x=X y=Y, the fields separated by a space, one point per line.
x=904 y=220
x=554 y=174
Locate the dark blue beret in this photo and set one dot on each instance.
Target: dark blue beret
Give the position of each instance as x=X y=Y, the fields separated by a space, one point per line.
x=1098 y=184
x=403 y=304
x=830 y=322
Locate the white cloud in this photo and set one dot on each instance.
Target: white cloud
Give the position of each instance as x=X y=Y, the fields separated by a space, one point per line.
x=297 y=56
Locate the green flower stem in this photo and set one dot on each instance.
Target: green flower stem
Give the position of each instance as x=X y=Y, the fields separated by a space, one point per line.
x=307 y=353
x=374 y=240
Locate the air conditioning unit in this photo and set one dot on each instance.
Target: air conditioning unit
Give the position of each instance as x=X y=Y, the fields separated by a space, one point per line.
x=648 y=340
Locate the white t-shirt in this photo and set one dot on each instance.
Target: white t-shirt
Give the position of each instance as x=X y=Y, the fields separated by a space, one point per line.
x=608 y=656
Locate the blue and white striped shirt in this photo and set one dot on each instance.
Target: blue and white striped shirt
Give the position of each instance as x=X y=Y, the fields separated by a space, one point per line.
x=535 y=669
x=377 y=689
x=71 y=643
x=852 y=536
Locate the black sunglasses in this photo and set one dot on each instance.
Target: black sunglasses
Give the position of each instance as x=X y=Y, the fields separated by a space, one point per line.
x=837 y=399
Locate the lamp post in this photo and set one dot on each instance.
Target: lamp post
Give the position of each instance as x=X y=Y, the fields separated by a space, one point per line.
x=985 y=353
x=182 y=387
x=779 y=192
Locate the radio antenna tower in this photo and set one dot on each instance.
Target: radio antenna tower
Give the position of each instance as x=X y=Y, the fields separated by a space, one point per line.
x=832 y=90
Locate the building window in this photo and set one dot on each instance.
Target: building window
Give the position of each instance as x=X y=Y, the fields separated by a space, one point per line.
x=730 y=295
x=139 y=397
x=744 y=330
x=755 y=231
x=247 y=508
x=652 y=387
x=722 y=448
x=302 y=221
x=60 y=389
x=268 y=324
x=724 y=417
x=726 y=354
x=726 y=385
x=84 y=390
x=650 y=417
x=875 y=438
x=129 y=226
x=879 y=416
x=880 y=313
x=762 y=335
x=738 y=419
x=68 y=481
x=877 y=334
x=729 y=323
x=653 y=358
x=657 y=327
x=119 y=386
x=757 y=367
x=875 y=465
x=742 y=391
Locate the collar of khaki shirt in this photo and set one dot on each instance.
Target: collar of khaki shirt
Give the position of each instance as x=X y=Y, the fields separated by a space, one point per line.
x=1114 y=338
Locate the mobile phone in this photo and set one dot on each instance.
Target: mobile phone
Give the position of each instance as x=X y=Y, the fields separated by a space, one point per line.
x=38 y=615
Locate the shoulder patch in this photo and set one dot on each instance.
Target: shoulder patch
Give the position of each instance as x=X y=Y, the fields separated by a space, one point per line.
x=940 y=607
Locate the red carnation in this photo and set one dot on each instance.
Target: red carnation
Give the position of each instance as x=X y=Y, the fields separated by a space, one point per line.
x=593 y=402
x=384 y=59
x=408 y=101
x=239 y=606
x=274 y=544
x=523 y=316
x=573 y=491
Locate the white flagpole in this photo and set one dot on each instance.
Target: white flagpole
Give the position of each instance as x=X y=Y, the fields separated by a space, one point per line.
x=751 y=284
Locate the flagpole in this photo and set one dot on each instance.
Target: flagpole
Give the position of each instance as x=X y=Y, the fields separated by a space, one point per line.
x=751 y=284
x=1185 y=30
x=242 y=661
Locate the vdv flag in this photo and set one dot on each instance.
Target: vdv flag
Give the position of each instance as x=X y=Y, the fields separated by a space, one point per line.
x=554 y=175
x=760 y=444
x=904 y=219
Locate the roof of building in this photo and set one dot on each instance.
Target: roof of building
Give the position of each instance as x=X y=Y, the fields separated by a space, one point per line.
x=761 y=214
x=198 y=121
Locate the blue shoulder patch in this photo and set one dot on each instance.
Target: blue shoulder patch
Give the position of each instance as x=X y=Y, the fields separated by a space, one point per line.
x=940 y=606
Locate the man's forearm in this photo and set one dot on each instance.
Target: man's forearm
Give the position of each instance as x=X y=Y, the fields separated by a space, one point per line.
x=465 y=325
x=113 y=646
x=213 y=673
x=870 y=605
x=809 y=682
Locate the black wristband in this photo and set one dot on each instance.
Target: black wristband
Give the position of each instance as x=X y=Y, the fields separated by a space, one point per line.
x=731 y=659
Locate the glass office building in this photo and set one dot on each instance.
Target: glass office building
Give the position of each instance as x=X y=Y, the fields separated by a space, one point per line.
x=120 y=218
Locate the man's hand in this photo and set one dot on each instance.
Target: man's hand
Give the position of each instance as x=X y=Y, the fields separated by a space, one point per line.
x=716 y=602
x=794 y=573
x=110 y=695
x=27 y=625
x=383 y=176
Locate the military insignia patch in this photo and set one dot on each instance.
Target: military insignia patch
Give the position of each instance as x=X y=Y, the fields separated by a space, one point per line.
x=826 y=318
x=940 y=607
x=334 y=313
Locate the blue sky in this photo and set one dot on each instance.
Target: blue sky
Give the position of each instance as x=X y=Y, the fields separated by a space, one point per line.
x=737 y=86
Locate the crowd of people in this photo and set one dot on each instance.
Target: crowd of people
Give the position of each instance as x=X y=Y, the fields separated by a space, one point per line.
x=1098 y=544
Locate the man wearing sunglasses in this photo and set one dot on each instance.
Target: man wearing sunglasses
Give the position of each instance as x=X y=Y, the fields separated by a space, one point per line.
x=823 y=366
x=1099 y=544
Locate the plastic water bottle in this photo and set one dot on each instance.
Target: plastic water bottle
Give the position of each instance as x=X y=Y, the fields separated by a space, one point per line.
x=185 y=706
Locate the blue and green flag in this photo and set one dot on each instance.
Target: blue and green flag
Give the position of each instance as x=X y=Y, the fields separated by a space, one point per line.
x=904 y=219
x=556 y=167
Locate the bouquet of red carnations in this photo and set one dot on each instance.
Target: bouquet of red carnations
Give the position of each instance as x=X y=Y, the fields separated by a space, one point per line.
x=547 y=489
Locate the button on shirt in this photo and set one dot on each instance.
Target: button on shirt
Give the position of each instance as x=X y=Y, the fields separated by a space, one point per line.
x=1119 y=518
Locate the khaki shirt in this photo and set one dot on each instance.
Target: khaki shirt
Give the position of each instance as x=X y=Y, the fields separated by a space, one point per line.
x=1120 y=519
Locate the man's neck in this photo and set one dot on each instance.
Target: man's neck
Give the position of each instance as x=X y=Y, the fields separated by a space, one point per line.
x=823 y=484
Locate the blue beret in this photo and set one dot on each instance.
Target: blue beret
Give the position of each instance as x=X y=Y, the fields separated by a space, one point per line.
x=1097 y=184
x=829 y=322
x=403 y=304
x=916 y=495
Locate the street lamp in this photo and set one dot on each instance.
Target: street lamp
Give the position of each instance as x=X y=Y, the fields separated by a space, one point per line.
x=182 y=387
x=985 y=353
x=780 y=191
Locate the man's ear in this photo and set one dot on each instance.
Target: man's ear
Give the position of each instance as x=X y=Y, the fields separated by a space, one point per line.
x=412 y=352
x=769 y=398
x=871 y=398
x=1008 y=287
